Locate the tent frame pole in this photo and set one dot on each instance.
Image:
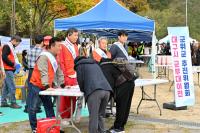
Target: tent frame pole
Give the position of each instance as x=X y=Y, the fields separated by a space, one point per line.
x=153 y=53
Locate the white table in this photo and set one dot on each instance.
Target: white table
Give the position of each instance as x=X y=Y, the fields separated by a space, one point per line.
x=196 y=69
x=146 y=57
x=72 y=91
x=135 y=61
x=147 y=82
x=163 y=70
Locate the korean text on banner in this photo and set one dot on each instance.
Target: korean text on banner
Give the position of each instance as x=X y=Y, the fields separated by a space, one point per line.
x=182 y=66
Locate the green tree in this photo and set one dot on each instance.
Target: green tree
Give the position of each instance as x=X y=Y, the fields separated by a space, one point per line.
x=159 y=4
x=193 y=15
x=5 y=16
x=136 y=5
x=172 y=13
x=75 y=7
x=194 y=18
x=36 y=16
x=164 y=19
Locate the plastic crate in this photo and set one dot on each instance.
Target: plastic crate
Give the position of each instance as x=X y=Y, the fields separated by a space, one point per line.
x=18 y=94
x=19 y=81
x=1 y=82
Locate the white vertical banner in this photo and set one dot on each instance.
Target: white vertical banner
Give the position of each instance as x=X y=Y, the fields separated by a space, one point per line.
x=182 y=66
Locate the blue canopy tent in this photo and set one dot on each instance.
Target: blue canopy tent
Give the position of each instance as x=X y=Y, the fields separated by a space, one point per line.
x=106 y=18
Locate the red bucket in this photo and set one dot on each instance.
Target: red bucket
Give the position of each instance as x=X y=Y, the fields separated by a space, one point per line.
x=48 y=125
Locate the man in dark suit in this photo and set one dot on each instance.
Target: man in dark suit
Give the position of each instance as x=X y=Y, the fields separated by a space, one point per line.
x=123 y=91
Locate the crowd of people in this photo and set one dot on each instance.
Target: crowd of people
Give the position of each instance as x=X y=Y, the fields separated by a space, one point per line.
x=55 y=63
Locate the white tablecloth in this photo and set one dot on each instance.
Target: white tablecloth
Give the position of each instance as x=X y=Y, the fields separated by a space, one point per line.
x=70 y=91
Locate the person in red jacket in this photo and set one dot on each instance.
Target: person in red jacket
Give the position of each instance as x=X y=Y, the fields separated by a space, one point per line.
x=46 y=74
x=69 y=51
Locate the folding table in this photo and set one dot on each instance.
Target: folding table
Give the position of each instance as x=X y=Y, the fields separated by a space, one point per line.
x=147 y=82
x=72 y=91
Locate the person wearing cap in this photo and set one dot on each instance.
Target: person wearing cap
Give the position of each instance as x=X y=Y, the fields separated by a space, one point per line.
x=10 y=63
x=46 y=41
x=46 y=74
x=69 y=51
x=101 y=52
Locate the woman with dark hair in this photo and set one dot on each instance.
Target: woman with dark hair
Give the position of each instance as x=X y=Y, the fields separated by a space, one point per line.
x=24 y=60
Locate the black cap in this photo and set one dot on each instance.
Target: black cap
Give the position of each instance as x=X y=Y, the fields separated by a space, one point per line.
x=122 y=33
x=17 y=38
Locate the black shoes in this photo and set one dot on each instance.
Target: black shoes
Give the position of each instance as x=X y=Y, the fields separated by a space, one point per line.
x=5 y=104
x=39 y=110
x=34 y=131
x=61 y=131
x=15 y=106
x=114 y=130
x=1 y=113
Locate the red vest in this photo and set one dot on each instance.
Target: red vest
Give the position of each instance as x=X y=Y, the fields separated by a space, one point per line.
x=12 y=59
x=98 y=57
x=36 y=76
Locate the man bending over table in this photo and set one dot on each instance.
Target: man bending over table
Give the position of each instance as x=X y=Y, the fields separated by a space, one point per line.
x=96 y=90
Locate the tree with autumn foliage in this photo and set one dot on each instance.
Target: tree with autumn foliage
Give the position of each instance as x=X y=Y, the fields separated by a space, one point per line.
x=36 y=16
x=136 y=5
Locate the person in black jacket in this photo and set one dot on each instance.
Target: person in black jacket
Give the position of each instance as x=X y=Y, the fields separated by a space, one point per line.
x=197 y=53
x=96 y=90
x=122 y=84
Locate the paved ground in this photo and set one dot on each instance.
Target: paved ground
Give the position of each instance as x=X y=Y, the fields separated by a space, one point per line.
x=135 y=125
